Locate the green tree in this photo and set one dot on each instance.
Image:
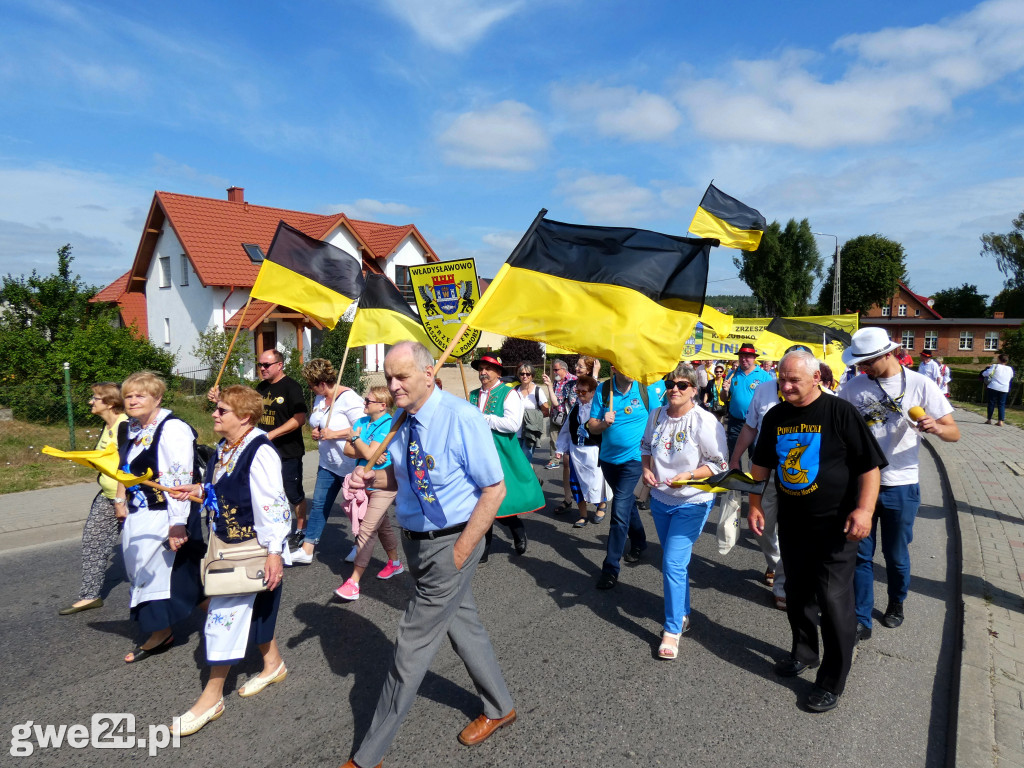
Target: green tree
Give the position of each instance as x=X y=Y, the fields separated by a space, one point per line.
x=332 y=347
x=514 y=351
x=781 y=272
x=49 y=321
x=1008 y=251
x=737 y=306
x=964 y=301
x=872 y=267
x=211 y=348
x=1009 y=301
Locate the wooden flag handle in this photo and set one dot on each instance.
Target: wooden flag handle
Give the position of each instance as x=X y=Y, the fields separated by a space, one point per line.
x=337 y=389
x=165 y=489
x=231 y=346
x=465 y=384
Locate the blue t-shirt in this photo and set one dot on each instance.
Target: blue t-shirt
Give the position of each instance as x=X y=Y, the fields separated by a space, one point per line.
x=373 y=432
x=461 y=459
x=621 y=441
x=742 y=389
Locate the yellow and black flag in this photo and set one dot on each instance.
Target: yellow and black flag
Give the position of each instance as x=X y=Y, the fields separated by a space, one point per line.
x=727 y=219
x=384 y=316
x=723 y=482
x=308 y=275
x=627 y=295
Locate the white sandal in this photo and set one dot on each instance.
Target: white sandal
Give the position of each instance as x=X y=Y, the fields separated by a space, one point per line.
x=666 y=651
x=256 y=684
x=189 y=723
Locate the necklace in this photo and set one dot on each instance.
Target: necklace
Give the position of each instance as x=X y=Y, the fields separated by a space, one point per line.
x=228 y=451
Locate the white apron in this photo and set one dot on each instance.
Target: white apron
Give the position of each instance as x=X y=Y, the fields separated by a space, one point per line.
x=147 y=561
x=227 y=627
x=589 y=474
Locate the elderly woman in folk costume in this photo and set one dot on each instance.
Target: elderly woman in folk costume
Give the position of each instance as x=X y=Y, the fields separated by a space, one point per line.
x=586 y=479
x=162 y=539
x=502 y=407
x=245 y=495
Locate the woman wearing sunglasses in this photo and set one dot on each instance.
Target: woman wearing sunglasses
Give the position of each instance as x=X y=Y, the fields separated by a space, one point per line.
x=714 y=392
x=535 y=409
x=367 y=434
x=681 y=443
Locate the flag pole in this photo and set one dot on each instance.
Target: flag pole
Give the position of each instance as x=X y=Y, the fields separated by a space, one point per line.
x=465 y=386
x=337 y=388
x=231 y=346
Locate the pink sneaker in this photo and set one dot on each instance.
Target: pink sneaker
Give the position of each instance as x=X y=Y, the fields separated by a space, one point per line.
x=348 y=591
x=393 y=568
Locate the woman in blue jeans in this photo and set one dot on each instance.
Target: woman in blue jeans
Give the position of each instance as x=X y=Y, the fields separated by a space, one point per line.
x=331 y=437
x=681 y=443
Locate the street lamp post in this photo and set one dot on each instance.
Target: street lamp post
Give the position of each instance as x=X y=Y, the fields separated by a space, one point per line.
x=835 y=273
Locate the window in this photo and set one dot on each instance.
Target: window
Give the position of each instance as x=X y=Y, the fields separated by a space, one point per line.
x=917 y=313
x=184 y=269
x=886 y=311
x=404 y=282
x=902 y=310
x=167 y=331
x=907 y=340
x=254 y=252
x=164 y=266
x=931 y=340
x=966 y=340
x=992 y=341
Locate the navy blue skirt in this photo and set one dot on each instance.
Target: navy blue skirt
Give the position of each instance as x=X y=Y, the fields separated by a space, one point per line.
x=186 y=592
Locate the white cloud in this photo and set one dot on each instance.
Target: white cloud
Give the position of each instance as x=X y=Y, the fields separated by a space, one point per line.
x=375 y=210
x=452 y=25
x=619 y=112
x=611 y=200
x=506 y=137
x=503 y=241
x=896 y=78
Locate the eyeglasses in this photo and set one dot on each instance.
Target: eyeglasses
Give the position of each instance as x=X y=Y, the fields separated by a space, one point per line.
x=525 y=373
x=221 y=410
x=368 y=401
x=264 y=366
x=682 y=386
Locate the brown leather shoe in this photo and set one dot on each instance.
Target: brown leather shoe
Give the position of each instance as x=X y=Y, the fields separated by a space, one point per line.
x=351 y=764
x=483 y=727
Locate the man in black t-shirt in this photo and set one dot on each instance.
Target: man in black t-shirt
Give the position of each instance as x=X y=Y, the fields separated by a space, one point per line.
x=826 y=466
x=284 y=413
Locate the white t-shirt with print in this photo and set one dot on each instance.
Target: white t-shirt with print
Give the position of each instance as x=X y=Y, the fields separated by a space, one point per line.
x=890 y=425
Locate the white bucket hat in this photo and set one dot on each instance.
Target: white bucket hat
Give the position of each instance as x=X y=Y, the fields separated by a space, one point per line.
x=867 y=344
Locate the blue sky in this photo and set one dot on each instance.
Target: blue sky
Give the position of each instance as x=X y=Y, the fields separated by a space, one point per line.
x=468 y=116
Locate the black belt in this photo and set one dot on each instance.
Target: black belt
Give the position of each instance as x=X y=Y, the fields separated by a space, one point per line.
x=420 y=535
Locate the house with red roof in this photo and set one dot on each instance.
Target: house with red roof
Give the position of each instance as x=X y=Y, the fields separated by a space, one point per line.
x=198 y=258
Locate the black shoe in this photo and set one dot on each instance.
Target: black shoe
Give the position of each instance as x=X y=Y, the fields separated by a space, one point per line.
x=295 y=540
x=520 y=541
x=791 y=667
x=820 y=700
x=634 y=555
x=643 y=505
x=607 y=581
x=863 y=633
x=893 y=614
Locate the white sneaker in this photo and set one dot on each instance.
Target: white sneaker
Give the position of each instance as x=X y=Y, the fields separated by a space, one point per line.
x=351 y=556
x=301 y=557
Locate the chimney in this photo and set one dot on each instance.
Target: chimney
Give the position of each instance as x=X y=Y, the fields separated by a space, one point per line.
x=998 y=315
x=236 y=194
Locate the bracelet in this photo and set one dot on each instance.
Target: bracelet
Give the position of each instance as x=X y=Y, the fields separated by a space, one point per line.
x=118 y=500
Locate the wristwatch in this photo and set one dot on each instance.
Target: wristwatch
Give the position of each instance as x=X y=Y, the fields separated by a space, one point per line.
x=118 y=500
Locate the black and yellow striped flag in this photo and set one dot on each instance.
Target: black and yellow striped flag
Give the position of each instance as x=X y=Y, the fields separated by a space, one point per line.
x=630 y=296
x=736 y=225
x=310 y=276
x=384 y=317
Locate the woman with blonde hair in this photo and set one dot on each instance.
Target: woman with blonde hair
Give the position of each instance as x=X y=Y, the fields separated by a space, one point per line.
x=162 y=540
x=103 y=526
x=535 y=409
x=332 y=438
x=245 y=497
x=367 y=434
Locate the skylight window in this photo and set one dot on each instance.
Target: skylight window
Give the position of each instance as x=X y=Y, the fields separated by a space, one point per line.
x=256 y=255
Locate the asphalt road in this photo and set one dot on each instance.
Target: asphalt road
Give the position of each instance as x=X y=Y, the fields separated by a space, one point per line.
x=580 y=663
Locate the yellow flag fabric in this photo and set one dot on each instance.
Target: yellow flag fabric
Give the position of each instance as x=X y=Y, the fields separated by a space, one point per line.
x=610 y=322
x=384 y=326
x=104 y=462
x=719 y=322
x=730 y=480
x=709 y=346
x=725 y=218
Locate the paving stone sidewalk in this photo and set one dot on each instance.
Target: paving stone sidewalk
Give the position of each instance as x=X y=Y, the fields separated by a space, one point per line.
x=985 y=472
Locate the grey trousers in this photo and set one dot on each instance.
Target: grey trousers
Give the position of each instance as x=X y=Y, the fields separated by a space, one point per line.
x=443 y=604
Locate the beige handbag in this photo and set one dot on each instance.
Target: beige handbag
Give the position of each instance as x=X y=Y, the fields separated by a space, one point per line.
x=234 y=569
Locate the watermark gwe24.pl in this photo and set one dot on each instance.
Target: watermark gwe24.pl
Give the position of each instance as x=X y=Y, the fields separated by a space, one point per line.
x=108 y=730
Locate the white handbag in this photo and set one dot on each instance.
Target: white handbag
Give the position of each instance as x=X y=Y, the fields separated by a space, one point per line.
x=729 y=522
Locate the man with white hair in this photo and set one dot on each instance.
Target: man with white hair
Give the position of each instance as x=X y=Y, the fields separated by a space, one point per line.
x=826 y=475
x=885 y=398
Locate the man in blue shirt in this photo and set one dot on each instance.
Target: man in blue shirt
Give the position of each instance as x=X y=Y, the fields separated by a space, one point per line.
x=445 y=505
x=621 y=425
x=739 y=389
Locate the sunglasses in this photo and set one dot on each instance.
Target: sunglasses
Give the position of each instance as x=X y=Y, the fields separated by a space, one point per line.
x=220 y=411
x=264 y=366
x=525 y=373
x=682 y=386
x=368 y=401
